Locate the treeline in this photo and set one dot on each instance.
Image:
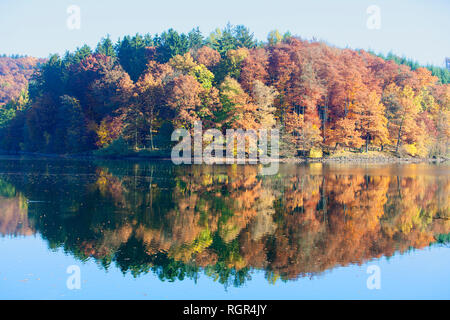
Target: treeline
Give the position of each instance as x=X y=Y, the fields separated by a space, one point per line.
x=131 y=94
x=13 y=56
x=443 y=74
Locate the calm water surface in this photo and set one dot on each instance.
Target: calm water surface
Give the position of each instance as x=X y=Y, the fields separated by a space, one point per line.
x=152 y=230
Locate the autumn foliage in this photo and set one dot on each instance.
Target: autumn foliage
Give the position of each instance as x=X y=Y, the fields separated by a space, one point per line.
x=322 y=98
x=227 y=221
x=14 y=76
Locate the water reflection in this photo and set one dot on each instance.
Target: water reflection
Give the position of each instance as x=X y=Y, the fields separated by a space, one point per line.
x=225 y=221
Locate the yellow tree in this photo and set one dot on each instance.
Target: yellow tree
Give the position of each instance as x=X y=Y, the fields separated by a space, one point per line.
x=344 y=133
x=373 y=121
x=264 y=97
x=241 y=112
x=403 y=107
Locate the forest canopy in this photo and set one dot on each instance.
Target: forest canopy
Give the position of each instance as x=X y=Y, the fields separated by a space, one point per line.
x=128 y=96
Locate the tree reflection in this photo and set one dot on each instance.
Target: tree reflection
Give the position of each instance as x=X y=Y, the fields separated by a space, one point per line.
x=225 y=221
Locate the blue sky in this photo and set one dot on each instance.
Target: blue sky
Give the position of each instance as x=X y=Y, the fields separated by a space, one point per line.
x=416 y=29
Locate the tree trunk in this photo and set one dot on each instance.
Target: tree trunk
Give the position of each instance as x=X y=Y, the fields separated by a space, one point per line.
x=151 y=132
x=399 y=135
x=135 y=135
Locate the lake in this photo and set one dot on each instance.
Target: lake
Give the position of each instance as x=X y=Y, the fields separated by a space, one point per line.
x=153 y=230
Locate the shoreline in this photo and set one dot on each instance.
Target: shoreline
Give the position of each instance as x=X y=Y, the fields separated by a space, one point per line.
x=337 y=159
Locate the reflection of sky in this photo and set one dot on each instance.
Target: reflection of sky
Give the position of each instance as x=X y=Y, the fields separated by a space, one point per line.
x=420 y=274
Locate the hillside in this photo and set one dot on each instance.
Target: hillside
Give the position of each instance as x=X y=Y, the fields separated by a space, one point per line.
x=14 y=76
x=128 y=97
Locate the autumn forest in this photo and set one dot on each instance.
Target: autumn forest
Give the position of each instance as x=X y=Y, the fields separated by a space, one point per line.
x=127 y=97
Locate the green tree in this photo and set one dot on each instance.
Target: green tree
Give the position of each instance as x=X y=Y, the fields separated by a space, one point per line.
x=106 y=47
x=244 y=38
x=69 y=135
x=170 y=44
x=222 y=40
x=132 y=55
x=196 y=40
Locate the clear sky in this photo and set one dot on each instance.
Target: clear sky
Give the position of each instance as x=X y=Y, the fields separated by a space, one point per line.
x=416 y=29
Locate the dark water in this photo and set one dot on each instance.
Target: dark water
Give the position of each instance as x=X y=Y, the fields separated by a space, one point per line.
x=155 y=230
